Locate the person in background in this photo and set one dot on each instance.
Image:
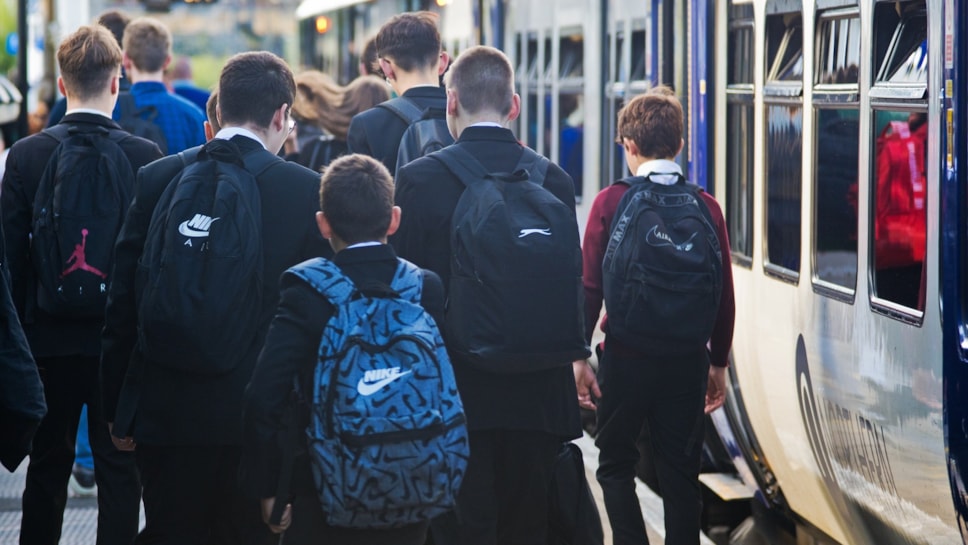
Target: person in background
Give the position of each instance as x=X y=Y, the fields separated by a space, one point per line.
x=323 y=110
x=183 y=85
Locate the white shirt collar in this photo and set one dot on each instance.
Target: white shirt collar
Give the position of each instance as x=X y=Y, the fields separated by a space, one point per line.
x=228 y=132
x=663 y=171
x=486 y=124
x=364 y=244
x=87 y=111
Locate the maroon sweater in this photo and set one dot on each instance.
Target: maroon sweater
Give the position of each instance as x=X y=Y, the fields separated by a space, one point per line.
x=597 y=233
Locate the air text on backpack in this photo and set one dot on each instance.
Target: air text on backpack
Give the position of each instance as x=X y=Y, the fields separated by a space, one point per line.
x=662 y=271
x=515 y=296
x=201 y=271
x=387 y=439
x=80 y=204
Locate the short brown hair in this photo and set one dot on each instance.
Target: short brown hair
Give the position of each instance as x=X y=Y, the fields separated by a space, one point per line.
x=88 y=59
x=410 y=40
x=483 y=79
x=115 y=21
x=654 y=122
x=211 y=113
x=371 y=65
x=147 y=42
x=356 y=194
x=252 y=86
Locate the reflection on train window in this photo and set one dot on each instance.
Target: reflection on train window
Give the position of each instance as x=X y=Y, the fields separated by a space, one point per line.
x=835 y=196
x=784 y=145
x=838 y=57
x=901 y=41
x=899 y=206
x=739 y=132
x=739 y=178
x=784 y=45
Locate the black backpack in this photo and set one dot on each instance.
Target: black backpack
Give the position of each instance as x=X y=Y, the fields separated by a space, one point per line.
x=80 y=204
x=515 y=299
x=201 y=271
x=141 y=121
x=426 y=131
x=662 y=271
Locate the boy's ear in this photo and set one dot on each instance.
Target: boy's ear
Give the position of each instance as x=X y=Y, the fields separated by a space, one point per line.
x=443 y=63
x=394 y=220
x=630 y=146
x=323 y=224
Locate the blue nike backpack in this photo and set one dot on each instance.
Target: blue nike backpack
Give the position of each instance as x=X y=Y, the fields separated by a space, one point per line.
x=387 y=439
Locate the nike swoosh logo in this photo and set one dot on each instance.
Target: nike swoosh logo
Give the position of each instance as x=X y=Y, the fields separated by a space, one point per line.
x=370 y=388
x=184 y=229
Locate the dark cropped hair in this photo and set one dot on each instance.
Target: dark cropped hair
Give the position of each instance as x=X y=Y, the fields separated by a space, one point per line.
x=410 y=40
x=654 y=122
x=115 y=21
x=252 y=87
x=356 y=194
x=483 y=79
x=88 y=58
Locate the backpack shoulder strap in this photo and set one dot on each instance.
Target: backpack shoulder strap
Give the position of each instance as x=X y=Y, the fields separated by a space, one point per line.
x=460 y=162
x=404 y=108
x=408 y=281
x=326 y=278
x=535 y=164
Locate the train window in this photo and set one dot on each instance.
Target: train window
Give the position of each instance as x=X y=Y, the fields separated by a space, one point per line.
x=739 y=133
x=904 y=59
x=784 y=145
x=835 y=198
x=784 y=46
x=838 y=48
x=899 y=206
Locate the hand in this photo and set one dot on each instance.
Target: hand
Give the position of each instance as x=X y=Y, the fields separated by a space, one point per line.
x=267 y=505
x=716 y=390
x=586 y=383
x=125 y=444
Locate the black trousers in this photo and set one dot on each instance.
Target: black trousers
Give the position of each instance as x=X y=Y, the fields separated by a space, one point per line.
x=504 y=496
x=668 y=396
x=69 y=383
x=192 y=496
x=309 y=528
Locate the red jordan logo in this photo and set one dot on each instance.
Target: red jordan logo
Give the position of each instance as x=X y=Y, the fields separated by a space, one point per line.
x=78 y=261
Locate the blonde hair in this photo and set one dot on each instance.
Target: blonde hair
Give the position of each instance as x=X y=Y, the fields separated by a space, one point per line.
x=322 y=102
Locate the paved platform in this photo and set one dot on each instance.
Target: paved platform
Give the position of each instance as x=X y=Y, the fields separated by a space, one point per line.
x=80 y=517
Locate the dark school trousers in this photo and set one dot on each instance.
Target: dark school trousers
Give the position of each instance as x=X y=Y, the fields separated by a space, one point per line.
x=503 y=499
x=69 y=383
x=668 y=396
x=192 y=497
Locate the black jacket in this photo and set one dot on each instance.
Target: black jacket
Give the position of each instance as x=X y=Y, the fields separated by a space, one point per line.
x=376 y=132
x=48 y=335
x=428 y=193
x=22 y=404
x=160 y=406
x=291 y=350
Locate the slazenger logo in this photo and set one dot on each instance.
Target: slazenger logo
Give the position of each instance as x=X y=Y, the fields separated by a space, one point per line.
x=198 y=226
x=526 y=232
x=658 y=238
x=375 y=379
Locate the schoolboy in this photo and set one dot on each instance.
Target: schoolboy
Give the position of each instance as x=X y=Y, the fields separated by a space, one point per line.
x=409 y=53
x=357 y=214
x=639 y=388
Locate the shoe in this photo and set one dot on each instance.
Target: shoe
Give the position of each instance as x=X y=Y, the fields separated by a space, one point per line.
x=82 y=482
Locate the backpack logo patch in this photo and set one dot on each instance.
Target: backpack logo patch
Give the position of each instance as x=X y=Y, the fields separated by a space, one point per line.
x=196 y=227
x=525 y=232
x=78 y=261
x=659 y=238
x=375 y=379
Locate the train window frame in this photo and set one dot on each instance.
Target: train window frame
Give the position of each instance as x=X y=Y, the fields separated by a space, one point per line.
x=899 y=98
x=827 y=33
x=784 y=24
x=740 y=93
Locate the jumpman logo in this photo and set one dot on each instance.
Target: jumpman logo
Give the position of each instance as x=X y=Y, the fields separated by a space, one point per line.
x=78 y=260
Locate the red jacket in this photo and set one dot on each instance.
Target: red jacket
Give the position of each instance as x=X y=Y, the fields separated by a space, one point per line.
x=597 y=232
